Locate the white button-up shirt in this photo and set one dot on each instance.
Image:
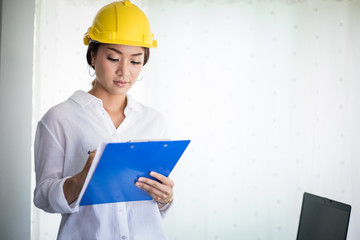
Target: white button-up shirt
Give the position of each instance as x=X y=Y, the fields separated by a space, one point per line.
x=63 y=138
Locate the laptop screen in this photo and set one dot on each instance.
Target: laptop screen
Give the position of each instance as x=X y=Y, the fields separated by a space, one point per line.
x=323 y=219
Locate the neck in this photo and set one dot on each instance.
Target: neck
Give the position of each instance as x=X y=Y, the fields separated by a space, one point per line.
x=111 y=102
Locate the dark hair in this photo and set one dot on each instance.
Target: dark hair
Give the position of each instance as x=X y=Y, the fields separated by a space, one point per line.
x=92 y=50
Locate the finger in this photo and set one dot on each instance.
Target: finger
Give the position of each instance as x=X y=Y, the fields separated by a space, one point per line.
x=155 y=184
x=155 y=193
x=92 y=153
x=90 y=159
x=160 y=192
x=165 y=180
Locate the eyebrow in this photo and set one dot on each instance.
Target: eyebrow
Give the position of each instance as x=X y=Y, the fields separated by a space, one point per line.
x=119 y=52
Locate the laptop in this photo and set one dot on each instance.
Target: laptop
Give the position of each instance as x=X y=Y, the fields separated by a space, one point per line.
x=323 y=219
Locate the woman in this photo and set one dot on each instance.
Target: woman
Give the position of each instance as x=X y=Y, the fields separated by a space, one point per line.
x=119 y=42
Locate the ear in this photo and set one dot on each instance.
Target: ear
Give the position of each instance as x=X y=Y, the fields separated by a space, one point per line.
x=92 y=58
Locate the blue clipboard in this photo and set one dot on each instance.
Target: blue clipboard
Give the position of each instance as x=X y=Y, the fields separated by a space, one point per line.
x=121 y=164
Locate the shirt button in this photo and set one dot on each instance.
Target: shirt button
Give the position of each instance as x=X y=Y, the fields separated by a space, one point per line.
x=114 y=135
x=123 y=237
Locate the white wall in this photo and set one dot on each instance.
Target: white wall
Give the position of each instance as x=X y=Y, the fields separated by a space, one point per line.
x=268 y=91
x=17 y=27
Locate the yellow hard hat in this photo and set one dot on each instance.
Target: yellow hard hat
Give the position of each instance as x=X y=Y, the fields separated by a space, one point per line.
x=121 y=23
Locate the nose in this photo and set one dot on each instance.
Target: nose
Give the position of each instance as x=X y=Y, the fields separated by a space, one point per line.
x=123 y=69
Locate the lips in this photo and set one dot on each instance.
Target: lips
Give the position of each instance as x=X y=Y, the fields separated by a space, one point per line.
x=121 y=83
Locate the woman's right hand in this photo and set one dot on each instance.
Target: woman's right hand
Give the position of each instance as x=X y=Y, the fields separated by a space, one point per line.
x=73 y=185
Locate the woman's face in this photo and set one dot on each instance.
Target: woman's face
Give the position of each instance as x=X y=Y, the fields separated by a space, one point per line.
x=117 y=67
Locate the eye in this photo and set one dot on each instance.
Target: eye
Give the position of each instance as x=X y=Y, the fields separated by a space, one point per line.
x=134 y=62
x=113 y=59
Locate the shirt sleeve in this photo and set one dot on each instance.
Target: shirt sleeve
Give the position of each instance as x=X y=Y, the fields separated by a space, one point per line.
x=165 y=210
x=49 y=160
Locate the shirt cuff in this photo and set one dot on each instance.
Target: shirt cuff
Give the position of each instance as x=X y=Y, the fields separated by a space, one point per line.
x=166 y=209
x=57 y=198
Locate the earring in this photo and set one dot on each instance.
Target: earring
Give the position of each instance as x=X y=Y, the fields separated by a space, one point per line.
x=142 y=75
x=93 y=74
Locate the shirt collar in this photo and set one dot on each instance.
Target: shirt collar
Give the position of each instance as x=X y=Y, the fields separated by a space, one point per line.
x=132 y=104
x=83 y=98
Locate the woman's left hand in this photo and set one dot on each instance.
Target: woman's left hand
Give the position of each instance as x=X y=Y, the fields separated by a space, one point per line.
x=161 y=192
